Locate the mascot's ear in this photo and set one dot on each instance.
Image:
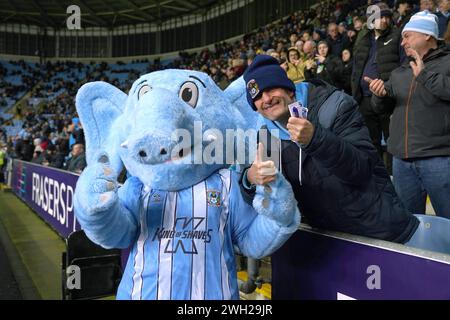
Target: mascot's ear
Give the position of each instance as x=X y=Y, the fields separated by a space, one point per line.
x=236 y=90
x=251 y=120
x=99 y=104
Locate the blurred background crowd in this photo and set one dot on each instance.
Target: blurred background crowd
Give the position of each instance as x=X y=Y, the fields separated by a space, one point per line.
x=331 y=42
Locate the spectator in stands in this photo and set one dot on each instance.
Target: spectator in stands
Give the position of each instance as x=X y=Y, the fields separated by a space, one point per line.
x=78 y=134
x=443 y=14
x=342 y=28
x=295 y=67
x=306 y=36
x=324 y=157
x=230 y=76
x=238 y=66
x=293 y=39
x=48 y=155
x=309 y=57
x=347 y=62
x=280 y=47
x=315 y=22
x=337 y=42
x=376 y=53
x=317 y=36
x=2 y=163
x=3 y=136
x=403 y=13
x=59 y=156
x=299 y=45
x=17 y=145
x=250 y=58
x=357 y=24
x=25 y=148
x=418 y=95
x=447 y=36
x=37 y=143
x=351 y=35
x=73 y=127
x=273 y=53
x=78 y=160
x=309 y=51
x=429 y=5
x=38 y=155
x=328 y=67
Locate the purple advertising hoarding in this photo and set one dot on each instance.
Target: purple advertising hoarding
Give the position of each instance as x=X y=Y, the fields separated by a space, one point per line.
x=49 y=192
x=310 y=265
x=318 y=266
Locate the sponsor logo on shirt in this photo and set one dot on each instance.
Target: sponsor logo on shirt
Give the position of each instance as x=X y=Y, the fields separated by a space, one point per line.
x=188 y=230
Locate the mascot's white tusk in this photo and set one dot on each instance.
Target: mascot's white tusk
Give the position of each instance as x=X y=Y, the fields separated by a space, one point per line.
x=124 y=144
x=210 y=138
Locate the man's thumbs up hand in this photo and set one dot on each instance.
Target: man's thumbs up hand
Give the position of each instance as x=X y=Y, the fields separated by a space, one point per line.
x=261 y=172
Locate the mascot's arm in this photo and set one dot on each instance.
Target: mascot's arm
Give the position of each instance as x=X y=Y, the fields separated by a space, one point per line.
x=107 y=215
x=260 y=230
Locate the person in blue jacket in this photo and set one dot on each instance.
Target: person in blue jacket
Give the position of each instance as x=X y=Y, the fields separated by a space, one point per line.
x=338 y=178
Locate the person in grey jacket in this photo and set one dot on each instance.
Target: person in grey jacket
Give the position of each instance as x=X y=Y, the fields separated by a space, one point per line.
x=78 y=161
x=418 y=93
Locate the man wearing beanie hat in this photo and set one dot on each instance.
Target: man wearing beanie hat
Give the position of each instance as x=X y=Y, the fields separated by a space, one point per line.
x=418 y=93
x=337 y=177
x=376 y=53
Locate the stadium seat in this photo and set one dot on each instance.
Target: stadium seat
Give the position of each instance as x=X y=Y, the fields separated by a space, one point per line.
x=432 y=234
x=100 y=269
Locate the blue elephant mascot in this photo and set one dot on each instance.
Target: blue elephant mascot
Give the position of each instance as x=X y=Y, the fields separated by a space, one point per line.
x=181 y=213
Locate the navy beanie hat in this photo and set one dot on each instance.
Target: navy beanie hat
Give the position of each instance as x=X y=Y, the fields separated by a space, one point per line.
x=265 y=73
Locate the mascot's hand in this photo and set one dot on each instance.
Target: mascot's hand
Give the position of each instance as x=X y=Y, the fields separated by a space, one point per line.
x=97 y=186
x=276 y=200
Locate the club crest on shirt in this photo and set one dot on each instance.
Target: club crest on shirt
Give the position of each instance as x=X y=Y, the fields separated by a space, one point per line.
x=156 y=197
x=213 y=198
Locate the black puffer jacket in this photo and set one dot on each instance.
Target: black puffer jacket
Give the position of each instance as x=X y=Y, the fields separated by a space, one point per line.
x=387 y=56
x=345 y=186
x=420 y=107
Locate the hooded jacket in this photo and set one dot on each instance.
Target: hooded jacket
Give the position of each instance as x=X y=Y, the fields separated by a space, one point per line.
x=296 y=72
x=344 y=184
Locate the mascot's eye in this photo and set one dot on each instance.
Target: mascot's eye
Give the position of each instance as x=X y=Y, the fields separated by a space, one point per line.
x=143 y=90
x=189 y=93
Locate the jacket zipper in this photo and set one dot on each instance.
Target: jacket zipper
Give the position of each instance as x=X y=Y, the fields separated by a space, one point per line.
x=411 y=91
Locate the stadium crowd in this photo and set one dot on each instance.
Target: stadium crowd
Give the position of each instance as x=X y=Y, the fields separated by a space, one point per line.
x=330 y=41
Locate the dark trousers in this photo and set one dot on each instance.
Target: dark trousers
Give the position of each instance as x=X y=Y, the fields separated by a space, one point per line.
x=378 y=125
